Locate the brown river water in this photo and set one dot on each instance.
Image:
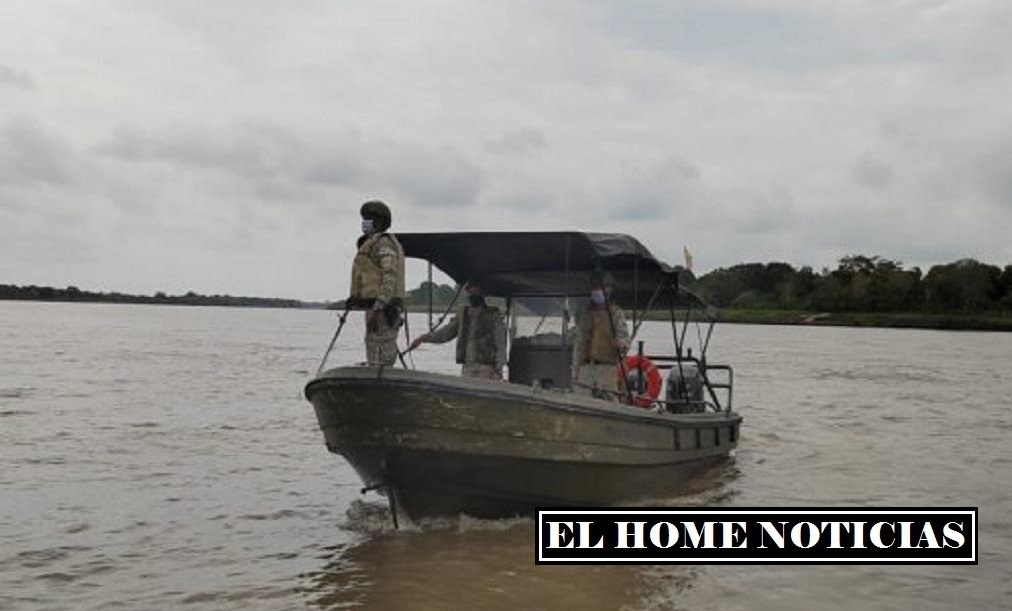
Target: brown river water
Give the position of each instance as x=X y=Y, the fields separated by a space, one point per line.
x=164 y=458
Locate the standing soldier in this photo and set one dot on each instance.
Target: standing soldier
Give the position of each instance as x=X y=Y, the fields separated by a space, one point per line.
x=481 y=337
x=602 y=341
x=377 y=283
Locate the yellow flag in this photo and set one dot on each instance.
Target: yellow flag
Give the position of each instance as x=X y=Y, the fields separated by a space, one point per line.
x=688 y=257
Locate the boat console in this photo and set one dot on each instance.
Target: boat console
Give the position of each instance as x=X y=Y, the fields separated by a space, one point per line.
x=544 y=359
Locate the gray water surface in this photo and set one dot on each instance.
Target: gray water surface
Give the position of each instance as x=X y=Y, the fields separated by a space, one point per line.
x=164 y=457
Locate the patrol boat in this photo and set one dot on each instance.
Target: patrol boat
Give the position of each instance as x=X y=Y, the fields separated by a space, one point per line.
x=438 y=444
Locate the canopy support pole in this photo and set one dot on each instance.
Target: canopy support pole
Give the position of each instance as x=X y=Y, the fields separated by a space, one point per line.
x=636 y=290
x=618 y=353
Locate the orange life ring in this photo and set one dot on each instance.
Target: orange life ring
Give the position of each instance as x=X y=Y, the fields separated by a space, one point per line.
x=650 y=372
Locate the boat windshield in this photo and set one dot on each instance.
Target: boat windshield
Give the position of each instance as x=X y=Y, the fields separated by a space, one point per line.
x=543 y=316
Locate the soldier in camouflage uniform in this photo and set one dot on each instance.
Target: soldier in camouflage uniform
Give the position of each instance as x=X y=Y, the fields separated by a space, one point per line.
x=481 y=337
x=377 y=283
x=602 y=341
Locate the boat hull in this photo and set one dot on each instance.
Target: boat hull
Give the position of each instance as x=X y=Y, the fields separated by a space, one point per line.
x=443 y=445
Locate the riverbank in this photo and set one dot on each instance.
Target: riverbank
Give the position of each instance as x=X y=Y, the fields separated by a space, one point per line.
x=952 y=322
x=885 y=320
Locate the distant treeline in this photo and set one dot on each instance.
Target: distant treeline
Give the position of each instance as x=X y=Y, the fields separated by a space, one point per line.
x=442 y=295
x=418 y=298
x=862 y=284
x=858 y=284
x=72 y=293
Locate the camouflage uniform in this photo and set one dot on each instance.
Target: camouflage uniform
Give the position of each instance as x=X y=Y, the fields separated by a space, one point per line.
x=600 y=341
x=378 y=281
x=481 y=341
x=381 y=340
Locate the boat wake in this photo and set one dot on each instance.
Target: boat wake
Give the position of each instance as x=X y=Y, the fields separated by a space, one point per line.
x=372 y=517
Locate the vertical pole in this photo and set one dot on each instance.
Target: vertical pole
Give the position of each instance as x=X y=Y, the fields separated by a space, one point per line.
x=565 y=299
x=636 y=288
x=639 y=367
x=678 y=345
x=618 y=353
x=393 y=505
x=430 y=295
x=509 y=334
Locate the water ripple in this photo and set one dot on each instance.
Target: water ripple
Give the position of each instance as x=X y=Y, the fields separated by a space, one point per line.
x=175 y=451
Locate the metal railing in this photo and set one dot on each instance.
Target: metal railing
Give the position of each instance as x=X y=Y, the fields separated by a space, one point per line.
x=726 y=384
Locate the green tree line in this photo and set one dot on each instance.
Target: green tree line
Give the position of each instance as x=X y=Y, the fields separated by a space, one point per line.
x=442 y=294
x=861 y=283
x=72 y=293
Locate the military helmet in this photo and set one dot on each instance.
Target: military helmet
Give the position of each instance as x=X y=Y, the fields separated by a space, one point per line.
x=378 y=211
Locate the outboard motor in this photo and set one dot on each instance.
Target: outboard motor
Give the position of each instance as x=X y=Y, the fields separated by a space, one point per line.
x=685 y=388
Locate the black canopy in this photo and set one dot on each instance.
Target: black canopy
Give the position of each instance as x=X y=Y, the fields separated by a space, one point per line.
x=517 y=263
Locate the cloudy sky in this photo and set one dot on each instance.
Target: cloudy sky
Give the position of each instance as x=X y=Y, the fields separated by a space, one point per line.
x=224 y=147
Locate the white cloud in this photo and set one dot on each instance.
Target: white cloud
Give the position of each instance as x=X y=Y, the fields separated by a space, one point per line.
x=15 y=78
x=225 y=147
x=31 y=154
x=872 y=173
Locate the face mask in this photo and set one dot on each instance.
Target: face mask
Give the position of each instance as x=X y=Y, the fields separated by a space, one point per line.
x=597 y=297
x=368 y=226
x=476 y=300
